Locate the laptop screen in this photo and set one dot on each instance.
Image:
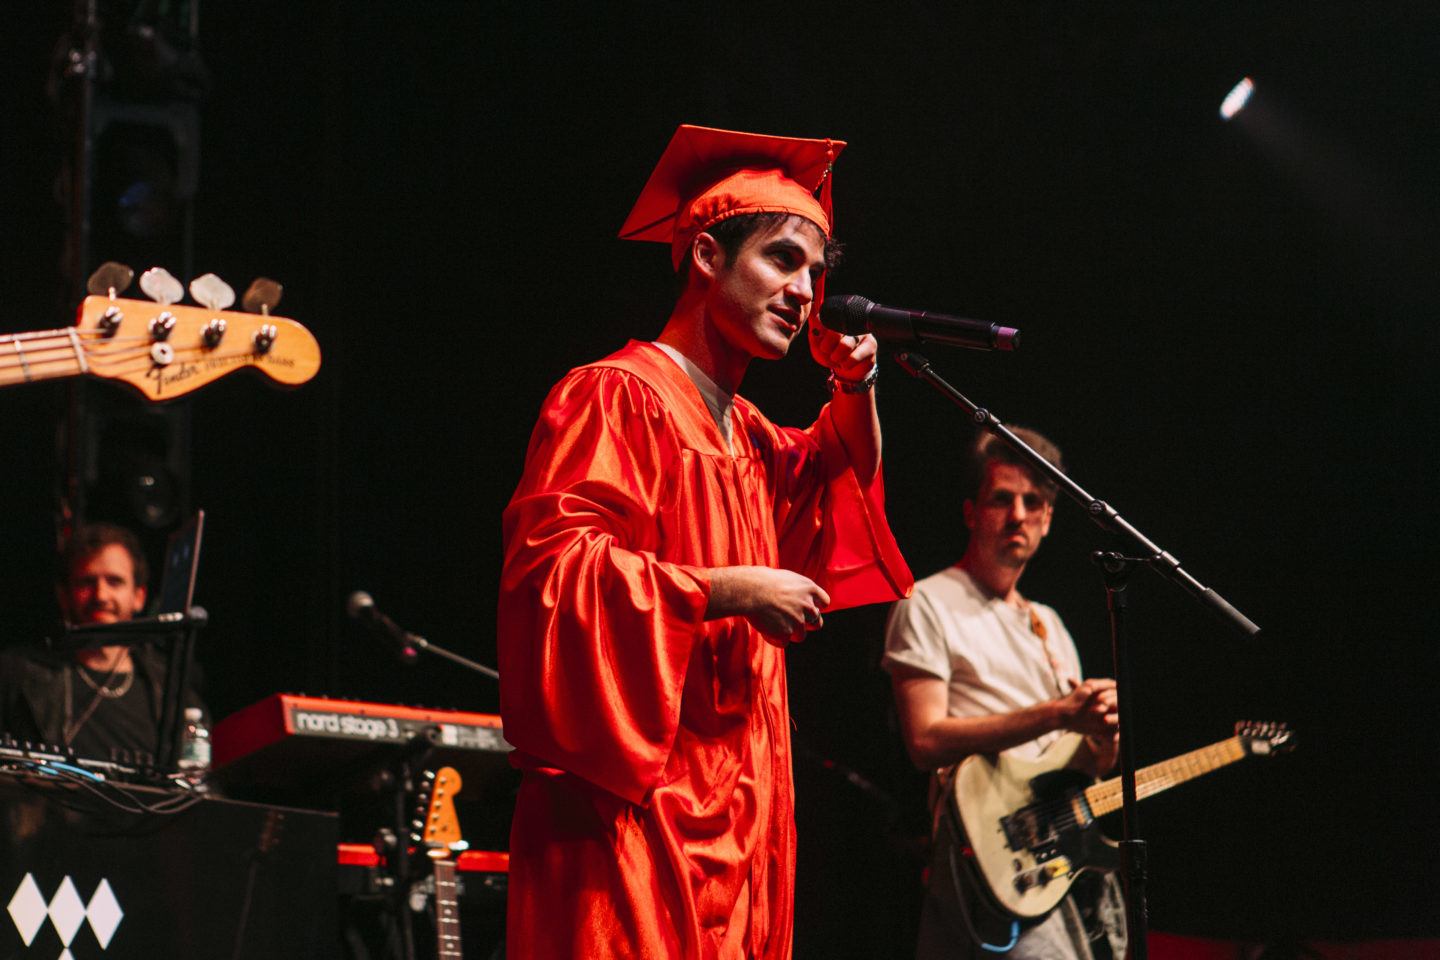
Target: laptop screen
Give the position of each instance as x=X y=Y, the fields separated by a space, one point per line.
x=182 y=562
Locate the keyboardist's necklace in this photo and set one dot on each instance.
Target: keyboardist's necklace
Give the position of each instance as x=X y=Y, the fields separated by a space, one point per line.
x=103 y=691
x=103 y=687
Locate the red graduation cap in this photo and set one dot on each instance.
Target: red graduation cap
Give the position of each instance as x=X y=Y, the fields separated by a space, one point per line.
x=707 y=175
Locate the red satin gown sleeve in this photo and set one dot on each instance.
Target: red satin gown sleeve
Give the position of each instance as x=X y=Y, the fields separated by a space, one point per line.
x=599 y=628
x=831 y=525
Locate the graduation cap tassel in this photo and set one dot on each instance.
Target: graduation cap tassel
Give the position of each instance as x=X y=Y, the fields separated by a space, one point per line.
x=828 y=207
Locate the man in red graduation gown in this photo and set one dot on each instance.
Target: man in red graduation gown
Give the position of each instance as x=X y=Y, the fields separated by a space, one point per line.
x=665 y=544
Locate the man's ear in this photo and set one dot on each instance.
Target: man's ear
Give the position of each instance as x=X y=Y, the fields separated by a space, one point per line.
x=139 y=600
x=967 y=510
x=707 y=254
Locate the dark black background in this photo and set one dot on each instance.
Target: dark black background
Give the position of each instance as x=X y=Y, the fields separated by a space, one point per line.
x=1228 y=328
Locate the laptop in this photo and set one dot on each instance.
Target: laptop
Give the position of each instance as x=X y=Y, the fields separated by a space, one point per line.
x=182 y=563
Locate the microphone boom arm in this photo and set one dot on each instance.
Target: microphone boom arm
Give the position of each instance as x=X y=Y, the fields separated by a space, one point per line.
x=1104 y=515
x=361 y=607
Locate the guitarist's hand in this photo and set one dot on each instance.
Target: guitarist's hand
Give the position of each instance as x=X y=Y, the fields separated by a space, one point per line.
x=1091 y=708
x=1104 y=751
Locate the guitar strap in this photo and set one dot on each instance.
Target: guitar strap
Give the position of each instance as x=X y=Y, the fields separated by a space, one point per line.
x=1037 y=627
x=942 y=788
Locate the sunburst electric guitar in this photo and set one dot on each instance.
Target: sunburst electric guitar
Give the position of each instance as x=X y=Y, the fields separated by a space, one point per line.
x=1032 y=824
x=440 y=837
x=162 y=350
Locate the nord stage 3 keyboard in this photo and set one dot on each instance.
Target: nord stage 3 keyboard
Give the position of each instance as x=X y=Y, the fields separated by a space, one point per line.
x=292 y=747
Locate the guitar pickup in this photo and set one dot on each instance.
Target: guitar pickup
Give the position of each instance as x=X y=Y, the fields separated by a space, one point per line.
x=1025 y=829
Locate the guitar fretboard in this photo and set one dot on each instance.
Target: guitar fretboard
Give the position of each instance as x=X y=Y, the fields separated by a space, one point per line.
x=42 y=355
x=1105 y=797
x=447 y=914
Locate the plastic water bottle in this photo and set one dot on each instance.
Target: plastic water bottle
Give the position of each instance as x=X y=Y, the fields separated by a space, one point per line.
x=195 y=749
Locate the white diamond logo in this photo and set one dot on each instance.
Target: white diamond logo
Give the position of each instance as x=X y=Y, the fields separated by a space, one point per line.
x=66 y=955
x=27 y=909
x=67 y=911
x=104 y=913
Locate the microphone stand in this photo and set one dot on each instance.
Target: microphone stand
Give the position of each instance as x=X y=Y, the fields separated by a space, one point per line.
x=1117 y=568
x=420 y=643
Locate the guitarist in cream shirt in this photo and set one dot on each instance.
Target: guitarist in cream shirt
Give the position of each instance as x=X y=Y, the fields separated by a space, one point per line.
x=977 y=667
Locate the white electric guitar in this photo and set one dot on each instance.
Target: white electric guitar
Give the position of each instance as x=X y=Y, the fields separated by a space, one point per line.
x=1032 y=824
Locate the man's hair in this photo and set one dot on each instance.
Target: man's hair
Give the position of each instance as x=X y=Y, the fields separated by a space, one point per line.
x=732 y=232
x=90 y=540
x=990 y=449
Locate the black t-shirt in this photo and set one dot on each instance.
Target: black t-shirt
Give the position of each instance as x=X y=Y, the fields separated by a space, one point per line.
x=117 y=723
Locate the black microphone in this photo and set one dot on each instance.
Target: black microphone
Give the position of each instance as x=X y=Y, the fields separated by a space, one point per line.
x=361 y=607
x=854 y=315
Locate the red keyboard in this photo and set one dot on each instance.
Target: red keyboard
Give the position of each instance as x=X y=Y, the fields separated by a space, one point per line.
x=287 y=740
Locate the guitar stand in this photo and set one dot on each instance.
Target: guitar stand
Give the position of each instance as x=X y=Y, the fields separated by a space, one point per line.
x=392 y=842
x=1117 y=569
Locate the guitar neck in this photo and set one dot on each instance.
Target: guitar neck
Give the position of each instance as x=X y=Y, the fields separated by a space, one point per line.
x=1105 y=797
x=42 y=355
x=447 y=912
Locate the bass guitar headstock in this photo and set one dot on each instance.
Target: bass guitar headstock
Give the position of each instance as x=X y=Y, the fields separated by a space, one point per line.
x=1263 y=739
x=165 y=349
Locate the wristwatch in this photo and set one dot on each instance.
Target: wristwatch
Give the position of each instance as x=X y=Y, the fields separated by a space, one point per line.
x=863 y=385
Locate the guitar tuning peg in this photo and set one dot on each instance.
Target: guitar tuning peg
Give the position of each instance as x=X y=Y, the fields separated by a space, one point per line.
x=160 y=286
x=262 y=296
x=212 y=292
x=265 y=337
x=109 y=279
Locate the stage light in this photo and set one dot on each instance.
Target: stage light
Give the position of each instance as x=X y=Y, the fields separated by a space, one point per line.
x=1236 y=99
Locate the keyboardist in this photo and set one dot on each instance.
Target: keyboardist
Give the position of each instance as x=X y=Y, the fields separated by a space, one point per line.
x=102 y=702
